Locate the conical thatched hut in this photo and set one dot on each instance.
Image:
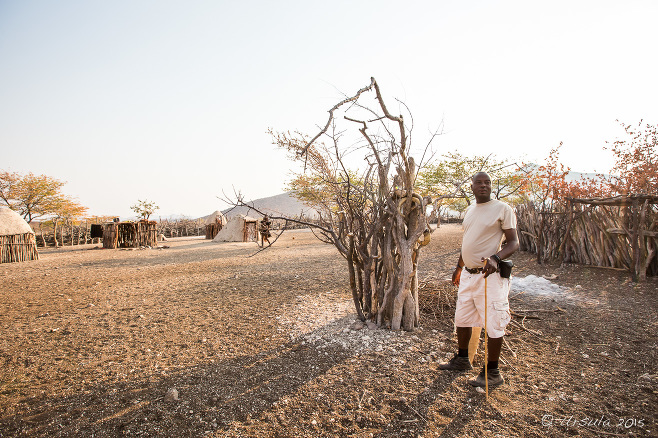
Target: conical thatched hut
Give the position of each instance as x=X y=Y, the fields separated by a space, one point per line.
x=214 y=222
x=17 y=241
x=240 y=228
x=215 y=217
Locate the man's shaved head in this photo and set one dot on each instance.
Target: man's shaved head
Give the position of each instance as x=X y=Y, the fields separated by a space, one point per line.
x=481 y=186
x=480 y=174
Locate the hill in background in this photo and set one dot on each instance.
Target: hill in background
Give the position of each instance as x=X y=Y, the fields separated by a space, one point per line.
x=284 y=204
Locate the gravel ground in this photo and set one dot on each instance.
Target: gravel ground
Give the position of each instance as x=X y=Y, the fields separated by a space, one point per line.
x=207 y=339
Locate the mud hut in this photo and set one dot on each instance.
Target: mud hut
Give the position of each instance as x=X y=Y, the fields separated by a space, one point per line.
x=240 y=228
x=214 y=223
x=17 y=241
x=130 y=234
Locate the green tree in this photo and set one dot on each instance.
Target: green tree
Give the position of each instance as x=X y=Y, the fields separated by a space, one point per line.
x=448 y=180
x=144 y=209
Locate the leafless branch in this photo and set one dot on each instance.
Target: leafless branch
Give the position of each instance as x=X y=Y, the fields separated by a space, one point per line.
x=331 y=114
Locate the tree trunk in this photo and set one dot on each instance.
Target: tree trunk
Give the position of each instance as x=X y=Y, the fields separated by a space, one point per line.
x=55 y=232
x=355 y=293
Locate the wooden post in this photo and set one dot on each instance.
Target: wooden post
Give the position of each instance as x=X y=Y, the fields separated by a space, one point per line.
x=563 y=251
x=642 y=268
x=635 y=239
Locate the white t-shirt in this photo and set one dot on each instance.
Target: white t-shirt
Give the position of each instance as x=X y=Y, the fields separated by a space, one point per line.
x=483 y=230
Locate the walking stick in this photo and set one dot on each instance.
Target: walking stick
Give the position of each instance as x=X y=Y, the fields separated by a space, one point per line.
x=486 y=351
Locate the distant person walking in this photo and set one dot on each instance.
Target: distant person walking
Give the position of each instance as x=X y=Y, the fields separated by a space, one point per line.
x=264 y=230
x=485 y=224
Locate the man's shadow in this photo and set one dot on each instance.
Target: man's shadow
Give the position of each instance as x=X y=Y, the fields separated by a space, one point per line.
x=413 y=414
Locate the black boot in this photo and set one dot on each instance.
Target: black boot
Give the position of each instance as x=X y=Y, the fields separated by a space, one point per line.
x=458 y=363
x=493 y=375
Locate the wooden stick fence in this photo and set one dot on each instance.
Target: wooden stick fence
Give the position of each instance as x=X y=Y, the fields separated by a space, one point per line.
x=130 y=234
x=18 y=248
x=181 y=227
x=618 y=232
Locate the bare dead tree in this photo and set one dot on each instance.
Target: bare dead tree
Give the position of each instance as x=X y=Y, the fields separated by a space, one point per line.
x=359 y=175
x=373 y=216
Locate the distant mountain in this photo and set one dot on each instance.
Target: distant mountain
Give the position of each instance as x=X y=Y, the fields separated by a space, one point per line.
x=573 y=176
x=284 y=204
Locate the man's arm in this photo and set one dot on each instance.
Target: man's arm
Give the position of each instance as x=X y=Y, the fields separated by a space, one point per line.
x=506 y=251
x=457 y=273
x=512 y=244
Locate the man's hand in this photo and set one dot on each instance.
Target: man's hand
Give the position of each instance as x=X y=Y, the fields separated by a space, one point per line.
x=490 y=266
x=456 y=275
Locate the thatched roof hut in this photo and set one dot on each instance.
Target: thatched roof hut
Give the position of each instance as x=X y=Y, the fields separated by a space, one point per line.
x=212 y=218
x=214 y=223
x=17 y=241
x=240 y=228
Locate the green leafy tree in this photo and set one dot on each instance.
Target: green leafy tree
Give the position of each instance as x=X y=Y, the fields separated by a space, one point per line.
x=144 y=209
x=448 y=180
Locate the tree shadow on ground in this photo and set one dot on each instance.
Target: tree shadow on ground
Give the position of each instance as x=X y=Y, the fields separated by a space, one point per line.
x=211 y=396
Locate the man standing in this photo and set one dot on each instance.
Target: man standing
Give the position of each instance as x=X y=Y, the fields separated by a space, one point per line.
x=485 y=224
x=264 y=230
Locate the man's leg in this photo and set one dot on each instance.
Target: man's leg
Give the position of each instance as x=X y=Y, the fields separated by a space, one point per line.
x=494 y=346
x=464 y=338
x=498 y=316
x=466 y=317
x=493 y=373
x=460 y=360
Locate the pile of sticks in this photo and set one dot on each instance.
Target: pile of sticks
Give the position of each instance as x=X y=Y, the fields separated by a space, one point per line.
x=436 y=297
x=147 y=233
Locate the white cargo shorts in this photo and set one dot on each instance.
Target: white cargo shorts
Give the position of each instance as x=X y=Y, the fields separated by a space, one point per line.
x=469 y=311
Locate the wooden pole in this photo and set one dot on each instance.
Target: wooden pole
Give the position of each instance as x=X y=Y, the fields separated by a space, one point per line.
x=473 y=343
x=643 y=248
x=635 y=239
x=486 y=345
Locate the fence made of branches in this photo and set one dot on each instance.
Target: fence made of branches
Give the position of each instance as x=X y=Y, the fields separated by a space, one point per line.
x=67 y=234
x=181 y=227
x=617 y=232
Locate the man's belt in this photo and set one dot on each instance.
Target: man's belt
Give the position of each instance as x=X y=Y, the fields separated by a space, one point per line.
x=474 y=270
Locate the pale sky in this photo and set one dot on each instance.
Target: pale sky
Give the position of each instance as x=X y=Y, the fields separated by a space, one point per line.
x=170 y=101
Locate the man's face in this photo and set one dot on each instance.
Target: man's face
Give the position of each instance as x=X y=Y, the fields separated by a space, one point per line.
x=481 y=187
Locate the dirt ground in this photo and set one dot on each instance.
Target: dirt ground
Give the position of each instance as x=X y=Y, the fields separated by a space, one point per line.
x=199 y=339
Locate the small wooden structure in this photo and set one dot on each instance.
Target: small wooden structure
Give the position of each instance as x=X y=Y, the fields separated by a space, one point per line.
x=250 y=230
x=213 y=228
x=130 y=234
x=17 y=241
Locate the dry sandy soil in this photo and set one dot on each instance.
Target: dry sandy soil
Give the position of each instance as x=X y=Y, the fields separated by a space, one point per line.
x=94 y=341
